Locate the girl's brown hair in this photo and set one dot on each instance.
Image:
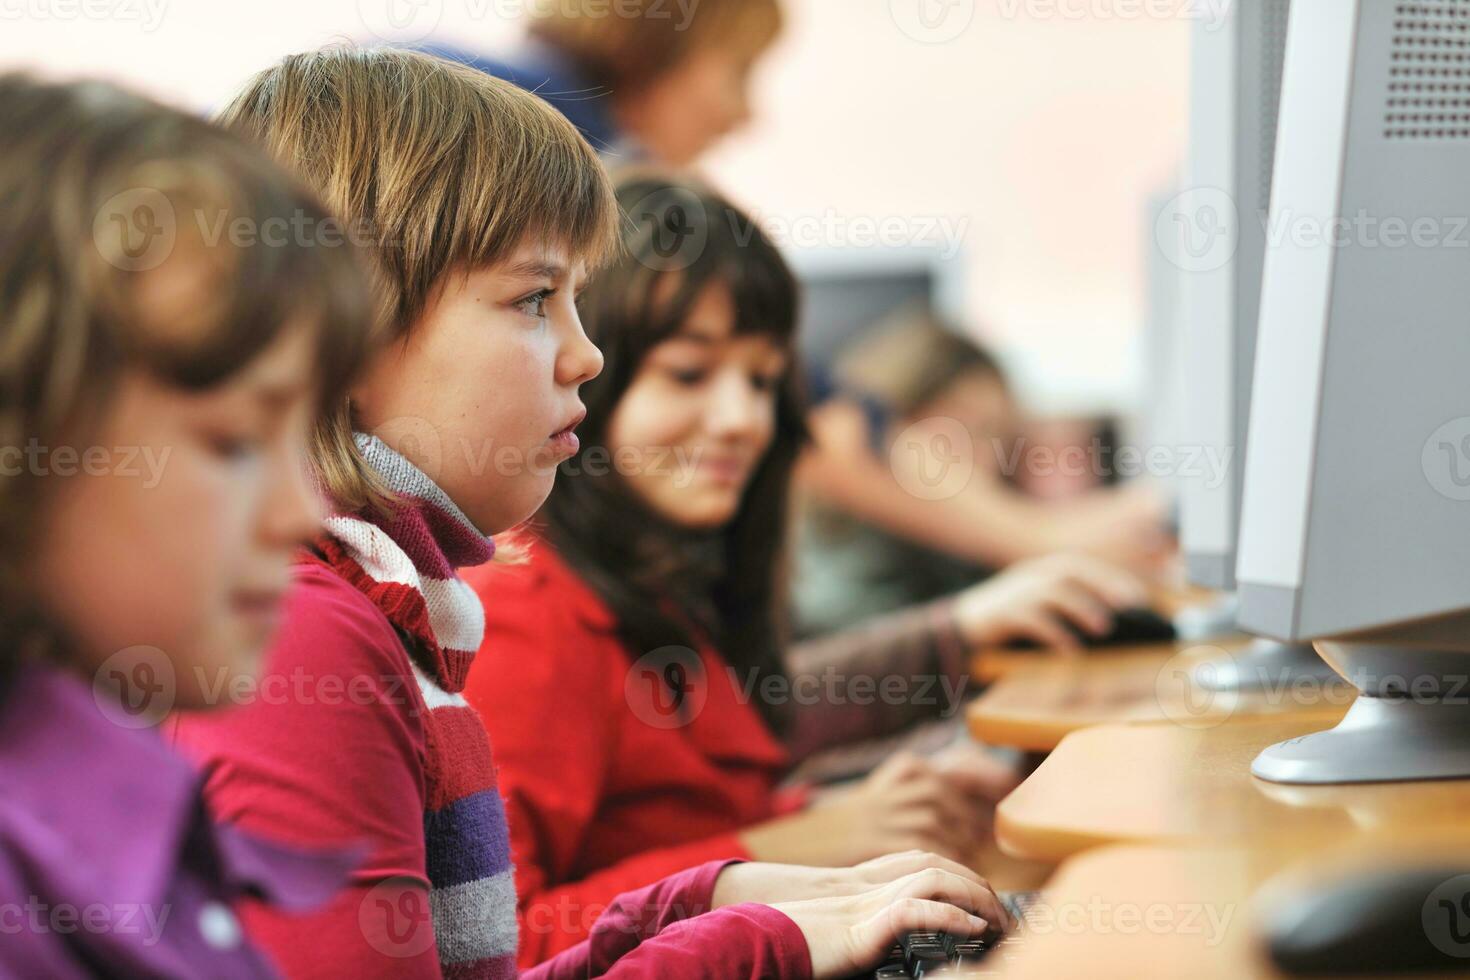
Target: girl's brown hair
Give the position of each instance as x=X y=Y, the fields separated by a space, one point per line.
x=101 y=190
x=667 y=585
x=624 y=46
x=439 y=169
x=911 y=359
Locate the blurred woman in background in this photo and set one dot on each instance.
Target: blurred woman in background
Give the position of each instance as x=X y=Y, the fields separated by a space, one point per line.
x=652 y=80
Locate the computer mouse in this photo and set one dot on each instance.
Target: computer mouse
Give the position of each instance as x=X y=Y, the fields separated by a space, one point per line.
x=1131 y=627
x=1380 y=923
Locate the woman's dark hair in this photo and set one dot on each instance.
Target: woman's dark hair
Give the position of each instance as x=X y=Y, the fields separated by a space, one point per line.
x=669 y=585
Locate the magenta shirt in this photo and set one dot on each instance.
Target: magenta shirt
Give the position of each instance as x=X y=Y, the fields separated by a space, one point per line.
x=109 y=862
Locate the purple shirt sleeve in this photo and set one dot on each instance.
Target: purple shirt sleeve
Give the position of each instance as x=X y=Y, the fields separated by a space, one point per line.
x=666 y=929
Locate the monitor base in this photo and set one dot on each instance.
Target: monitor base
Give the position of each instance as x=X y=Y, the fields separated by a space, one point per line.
x=1198 y=623
x=1267 y=665
x=1408 y=726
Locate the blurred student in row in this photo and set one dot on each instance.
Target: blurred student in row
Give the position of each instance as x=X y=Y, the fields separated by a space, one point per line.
x=656 y=81
x=169 y=386
x=851 y=469
x=912 y=369
x=925 y=386
x=486 y=214
x=647 y=629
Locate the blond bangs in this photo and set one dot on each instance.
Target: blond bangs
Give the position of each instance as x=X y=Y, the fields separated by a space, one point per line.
x=436 y=169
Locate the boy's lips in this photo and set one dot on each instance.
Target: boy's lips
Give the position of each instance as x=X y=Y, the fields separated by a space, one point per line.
x=577 y=420
x=565 y=439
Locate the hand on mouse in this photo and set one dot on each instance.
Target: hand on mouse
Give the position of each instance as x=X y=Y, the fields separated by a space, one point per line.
x=1035 y=600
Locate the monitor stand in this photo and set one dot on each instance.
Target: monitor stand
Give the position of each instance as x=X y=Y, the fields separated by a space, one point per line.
x=1411 y=720
x=1267 y=665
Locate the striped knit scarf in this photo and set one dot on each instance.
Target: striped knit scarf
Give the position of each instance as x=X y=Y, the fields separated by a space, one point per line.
x=405 y=564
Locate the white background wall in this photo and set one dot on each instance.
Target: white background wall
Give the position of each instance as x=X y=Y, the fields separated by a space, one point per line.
x=1034 y=130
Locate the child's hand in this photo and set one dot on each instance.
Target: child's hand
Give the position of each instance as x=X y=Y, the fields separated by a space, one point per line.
x=770 y=884
x=906 y=804
x=854 y=933
x=970 y=767
x=1035 y=599
x=1125 y=526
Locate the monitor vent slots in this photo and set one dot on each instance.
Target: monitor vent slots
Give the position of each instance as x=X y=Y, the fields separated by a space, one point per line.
x=1429 y=84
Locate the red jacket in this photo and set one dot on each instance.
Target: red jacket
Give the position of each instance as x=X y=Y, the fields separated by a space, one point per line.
x=604 y=792
x=331 y=747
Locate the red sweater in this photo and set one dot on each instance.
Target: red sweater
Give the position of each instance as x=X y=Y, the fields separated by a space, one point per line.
x=335 y=746
x=604 y=793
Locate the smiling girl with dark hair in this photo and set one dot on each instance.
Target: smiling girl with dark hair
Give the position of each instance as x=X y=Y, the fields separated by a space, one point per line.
x=651 y=614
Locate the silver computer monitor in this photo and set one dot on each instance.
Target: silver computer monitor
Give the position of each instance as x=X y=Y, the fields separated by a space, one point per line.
x=1218 y=227
x=1217 y=234
x=1356 y=510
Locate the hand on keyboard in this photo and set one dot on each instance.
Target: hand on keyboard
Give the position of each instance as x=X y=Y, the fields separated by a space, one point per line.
x=856 y=932
x=769 y=884
x=938 y=954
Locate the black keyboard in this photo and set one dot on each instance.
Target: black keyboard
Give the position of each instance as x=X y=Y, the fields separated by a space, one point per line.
x=936 y=954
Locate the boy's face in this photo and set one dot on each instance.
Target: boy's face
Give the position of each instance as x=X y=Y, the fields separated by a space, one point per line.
x=482 y=393
x=168 y=535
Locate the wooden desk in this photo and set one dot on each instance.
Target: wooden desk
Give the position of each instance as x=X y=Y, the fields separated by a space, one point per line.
x=1161 y=782
x=1035 y=706
x=1205 y=906
x=1095 y=923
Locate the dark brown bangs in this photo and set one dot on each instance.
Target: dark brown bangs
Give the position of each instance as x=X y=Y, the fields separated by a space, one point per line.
x=679 y=239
